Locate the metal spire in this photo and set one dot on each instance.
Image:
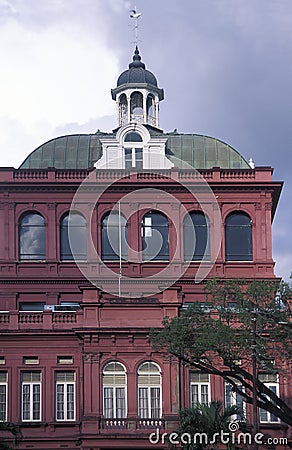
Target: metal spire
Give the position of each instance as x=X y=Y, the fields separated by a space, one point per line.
x=136 y=16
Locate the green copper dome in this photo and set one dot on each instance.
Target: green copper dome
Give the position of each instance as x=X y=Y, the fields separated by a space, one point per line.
x=81 y=151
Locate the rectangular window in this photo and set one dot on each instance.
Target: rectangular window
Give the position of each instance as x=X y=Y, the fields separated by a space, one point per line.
x=3 y=396
x=31 y=396
x=272 y=382
x=114 y=401
x=233 y=398
x=149 y=402
x=133 y=158
x=199 y=388
x=65 y=395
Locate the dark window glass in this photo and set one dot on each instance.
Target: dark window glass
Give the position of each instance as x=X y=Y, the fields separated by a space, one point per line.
x=196 y=237
x=134 y=158
x=32 y=237
x=73 y=237
x=31 y=306
x=128 y=158
x=238 y=237
x=133 y=137
x=114 y=236
x=155 y=242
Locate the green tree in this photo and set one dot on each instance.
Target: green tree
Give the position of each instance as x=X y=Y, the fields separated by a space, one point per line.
x=240 y=323
x=204 y=424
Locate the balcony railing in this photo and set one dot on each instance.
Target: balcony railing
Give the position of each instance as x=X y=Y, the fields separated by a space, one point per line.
x=128 y=425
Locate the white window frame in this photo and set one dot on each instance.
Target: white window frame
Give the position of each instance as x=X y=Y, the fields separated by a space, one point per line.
x=269 y=416
x=114 y=388
x=65 y=393
x=149 y=390
x=200 y=387
x=134 y=150
x=4 y=384
x=31 y=386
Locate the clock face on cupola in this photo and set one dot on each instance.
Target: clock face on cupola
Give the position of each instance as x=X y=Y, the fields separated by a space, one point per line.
x=134 y=147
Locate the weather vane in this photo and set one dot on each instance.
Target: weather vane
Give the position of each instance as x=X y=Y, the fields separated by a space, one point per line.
x=136 y=16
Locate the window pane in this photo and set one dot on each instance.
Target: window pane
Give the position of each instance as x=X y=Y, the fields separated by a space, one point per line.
x=60 y=401
x=110 y=235
x=108 y=402
x=155 y=241
x=3 y=400
x=120 y=403
x=36 y=402
x=143 y=403
x=73 y=237
x=32 y=237
x=70 y=401
x=26 y=402
x=238 y=237
x=155 y=402
x=196 y=237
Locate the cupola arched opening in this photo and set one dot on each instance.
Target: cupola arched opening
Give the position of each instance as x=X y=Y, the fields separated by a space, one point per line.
x=32 y=237
x=150 y=109
x=73 y=241
x=196 y=237
x=136 y=106
x=123 y=109
x=114 y=237
x=238 y=237
x=155 y=237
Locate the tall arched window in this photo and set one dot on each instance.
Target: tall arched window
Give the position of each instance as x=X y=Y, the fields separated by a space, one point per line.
x=238 y=237
x=123 y=109
x=196 y=237
x=137 y=107
x=155 y=239
x=114 y=382
x=32 y=237
x=149 y=391
x=73 y=237
x=114 y=237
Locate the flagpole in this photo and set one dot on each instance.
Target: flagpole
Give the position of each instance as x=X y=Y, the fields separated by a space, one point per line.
x=120 y=249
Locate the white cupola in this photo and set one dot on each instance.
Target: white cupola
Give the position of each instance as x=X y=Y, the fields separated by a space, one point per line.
x=137 y=95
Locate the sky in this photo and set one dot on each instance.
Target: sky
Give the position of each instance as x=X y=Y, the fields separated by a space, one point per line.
x=225 y=66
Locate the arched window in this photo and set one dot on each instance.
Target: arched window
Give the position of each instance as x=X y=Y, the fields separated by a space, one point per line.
x=133 y=137
x=73 y=237
x=123 y=109
x=137 y=107
x=32 y=237
x=238 y=237
x=149 y=391
x=155 y=241
x=114 y=237
x=114 y=383
x=196 y=237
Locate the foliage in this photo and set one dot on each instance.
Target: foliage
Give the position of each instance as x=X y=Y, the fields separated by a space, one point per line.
x=209 y=421
x=239 y=321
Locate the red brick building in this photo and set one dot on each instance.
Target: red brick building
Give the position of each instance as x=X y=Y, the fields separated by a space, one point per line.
x=81 y=288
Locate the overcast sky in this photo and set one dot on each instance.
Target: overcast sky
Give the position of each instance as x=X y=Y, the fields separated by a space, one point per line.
x=225 y=65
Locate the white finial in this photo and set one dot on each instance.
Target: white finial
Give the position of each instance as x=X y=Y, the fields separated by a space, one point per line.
x=136 y=16
x=251 y=163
